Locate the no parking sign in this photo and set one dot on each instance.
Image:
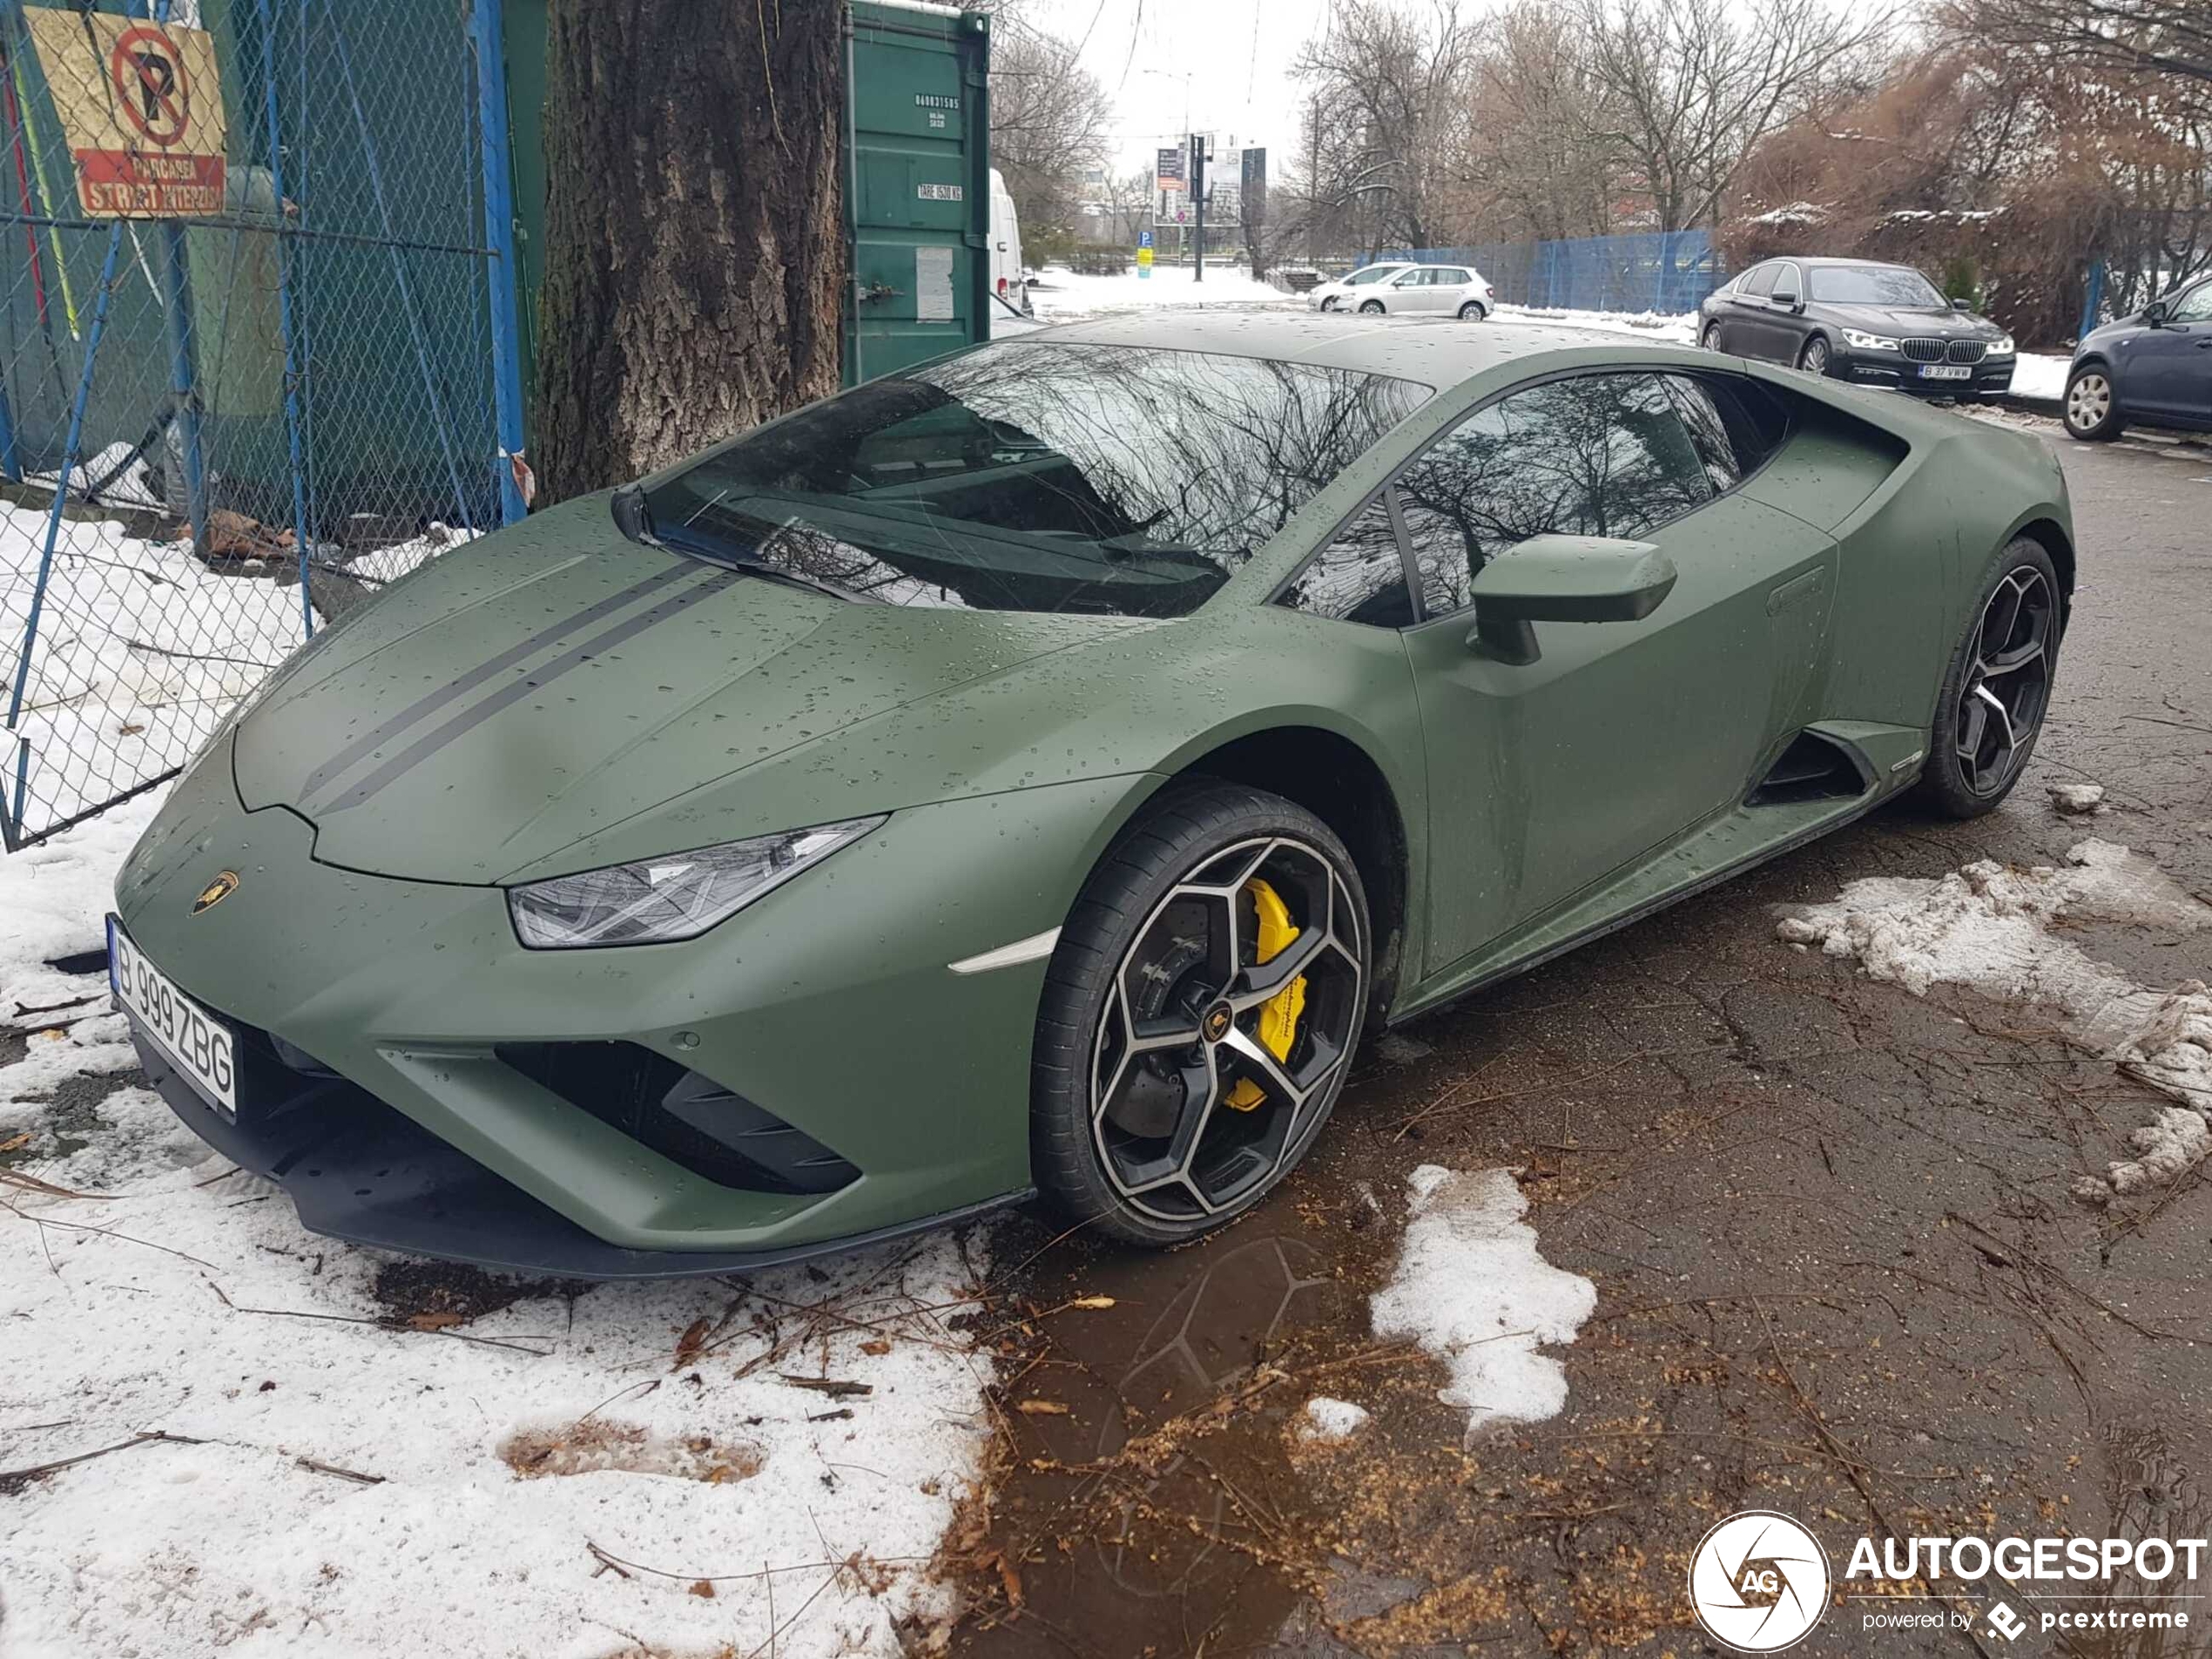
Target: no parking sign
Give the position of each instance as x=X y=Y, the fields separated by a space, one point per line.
x=142 y=110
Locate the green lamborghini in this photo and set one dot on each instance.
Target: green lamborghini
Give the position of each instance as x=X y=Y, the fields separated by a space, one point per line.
x=1033 y=772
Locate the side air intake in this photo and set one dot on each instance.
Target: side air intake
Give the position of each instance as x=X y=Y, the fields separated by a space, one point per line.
x=1812 y=768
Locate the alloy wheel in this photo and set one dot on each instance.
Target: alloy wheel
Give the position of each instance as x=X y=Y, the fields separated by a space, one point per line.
x=1712 y=341
x=2088 y=402
x=2002 y=700
x=1228 y=1022
x=1816 y=357
x=1372 y=308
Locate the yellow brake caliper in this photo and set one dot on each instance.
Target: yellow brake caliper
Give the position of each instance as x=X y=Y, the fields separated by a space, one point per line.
x=1279 y=1015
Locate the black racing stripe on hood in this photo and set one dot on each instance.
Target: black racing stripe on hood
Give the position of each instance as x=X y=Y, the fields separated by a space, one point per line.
x=430 y=702
x=422 y=748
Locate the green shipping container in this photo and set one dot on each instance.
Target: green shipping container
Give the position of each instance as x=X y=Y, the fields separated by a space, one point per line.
x=917 y=179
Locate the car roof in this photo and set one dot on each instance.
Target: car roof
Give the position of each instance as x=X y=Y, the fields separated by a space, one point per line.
x=1824 y=261
x=1439 y=351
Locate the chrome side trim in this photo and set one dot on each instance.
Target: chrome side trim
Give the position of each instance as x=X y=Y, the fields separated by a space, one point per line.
x=1035 y=948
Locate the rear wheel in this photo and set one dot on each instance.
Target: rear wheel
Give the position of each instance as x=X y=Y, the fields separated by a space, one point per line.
x=1371 y=307
x=2092 y=408
x=1473 y=311
x=1998 y=688
x=1199 y=1013
x=1814 y=358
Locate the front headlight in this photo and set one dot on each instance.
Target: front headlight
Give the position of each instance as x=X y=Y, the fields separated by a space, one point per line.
x=2002 y=346
x=1869 y=342
x=659 y=900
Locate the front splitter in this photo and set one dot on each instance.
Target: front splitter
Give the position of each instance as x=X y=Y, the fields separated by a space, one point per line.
x=358 y=1170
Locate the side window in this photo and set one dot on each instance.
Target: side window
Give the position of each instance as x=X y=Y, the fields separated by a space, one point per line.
x=1594 y=454
x=1452 y=276
x=1736 y=424
x=2196 y=305
x=1759 y=282
x=1358 y=577
x=1787 y=279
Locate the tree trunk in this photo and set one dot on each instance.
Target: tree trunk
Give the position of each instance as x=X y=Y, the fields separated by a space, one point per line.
x=695 y=253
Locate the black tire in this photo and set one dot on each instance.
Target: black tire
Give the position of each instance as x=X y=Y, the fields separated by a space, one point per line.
x=2091 y=405
x=1711 y=340
x=1976 y=757
x=1328 y=303
x=1371 y=307
x=1814 y=358
x=1473 y=311
x=1092 y=1082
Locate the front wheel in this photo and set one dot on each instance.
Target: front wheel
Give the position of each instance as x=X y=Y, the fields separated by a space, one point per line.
x=1199 y=1013
x=1814 y=359
x=1473 y=311
x=1712 y=339
x=1328 y=303
x=1998 y=688
x=1371 y=307
x=2092 y=410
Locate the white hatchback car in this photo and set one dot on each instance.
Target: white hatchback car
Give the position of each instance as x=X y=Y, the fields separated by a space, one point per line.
x=1457 y=290
x=1345 y=292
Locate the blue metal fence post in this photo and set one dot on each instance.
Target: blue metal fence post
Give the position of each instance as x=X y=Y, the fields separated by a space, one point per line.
x=2092 y=298
x=275 y=129
x=15 y=815
x=184 y=373
x=502 y=275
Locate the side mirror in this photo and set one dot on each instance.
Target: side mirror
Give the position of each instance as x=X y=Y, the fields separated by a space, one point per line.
x=1783 y=298
x=1564 y=578
x=1960 y=305
x=2155 y=314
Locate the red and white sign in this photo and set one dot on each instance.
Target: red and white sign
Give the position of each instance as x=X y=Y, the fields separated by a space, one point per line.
x=141 y=107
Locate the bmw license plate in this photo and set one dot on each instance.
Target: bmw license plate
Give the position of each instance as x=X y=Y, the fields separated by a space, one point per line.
x=1945 y=372
x=198 y=1044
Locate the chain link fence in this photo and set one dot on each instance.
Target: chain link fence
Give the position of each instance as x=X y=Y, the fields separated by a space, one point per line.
x=246 y=356
x=1662 y=271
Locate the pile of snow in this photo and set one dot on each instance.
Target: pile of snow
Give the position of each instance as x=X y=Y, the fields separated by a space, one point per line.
x=2078 y=800
x=1329 y=1422
x=361 y=1483
x=1665 y=327
x=1471 y=1288
x=1989 y=929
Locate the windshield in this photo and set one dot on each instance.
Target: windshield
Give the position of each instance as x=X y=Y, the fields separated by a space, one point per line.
x=1875 y=284
x=1034 y=476
x=1371 y=274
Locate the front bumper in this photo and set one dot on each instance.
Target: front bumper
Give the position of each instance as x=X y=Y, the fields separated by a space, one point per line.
x=1992 y=378
x=827 y=1002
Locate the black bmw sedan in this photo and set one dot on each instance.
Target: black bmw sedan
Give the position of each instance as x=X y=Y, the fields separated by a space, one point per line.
x=1859 y=321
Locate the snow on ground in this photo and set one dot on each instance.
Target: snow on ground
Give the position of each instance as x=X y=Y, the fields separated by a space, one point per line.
x=1329 y=1422
x=1991 y=929
x=142 y=647
x=1665 y=329
x=1060 y=295
x=1471 y=1288
x=351 y=1472
x=2040 y=376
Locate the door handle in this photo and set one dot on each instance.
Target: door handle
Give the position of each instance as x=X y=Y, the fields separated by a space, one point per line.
x=2205 y=344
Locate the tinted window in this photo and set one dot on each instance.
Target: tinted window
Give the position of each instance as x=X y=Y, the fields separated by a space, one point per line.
x=1735 y=425
x=1028 y=476
x=1596 y=455
x=1787 y=279
x=2196 y=305
x=1875 y=284
x=1358 y=577
x=1758 y=281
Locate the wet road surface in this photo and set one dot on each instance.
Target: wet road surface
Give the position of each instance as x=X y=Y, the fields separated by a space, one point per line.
x=1840 y=1274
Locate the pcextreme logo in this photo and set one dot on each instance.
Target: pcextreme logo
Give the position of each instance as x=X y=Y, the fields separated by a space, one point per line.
x=1759 y=1582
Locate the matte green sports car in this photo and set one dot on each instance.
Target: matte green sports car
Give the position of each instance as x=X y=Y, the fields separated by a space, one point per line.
x=1036 y=770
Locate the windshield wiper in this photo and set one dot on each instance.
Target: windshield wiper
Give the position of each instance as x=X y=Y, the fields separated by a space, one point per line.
x=635 y=519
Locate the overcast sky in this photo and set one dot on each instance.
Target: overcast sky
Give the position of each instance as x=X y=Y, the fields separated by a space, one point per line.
x=1227 y=62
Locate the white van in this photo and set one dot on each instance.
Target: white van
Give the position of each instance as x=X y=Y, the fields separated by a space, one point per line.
x=1007 y=281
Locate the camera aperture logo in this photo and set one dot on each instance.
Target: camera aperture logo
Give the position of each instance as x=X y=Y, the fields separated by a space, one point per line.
x=1759 y=1582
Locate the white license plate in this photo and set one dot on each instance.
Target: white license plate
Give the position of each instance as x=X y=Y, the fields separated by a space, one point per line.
x=1945 y=372
x=195 y=1041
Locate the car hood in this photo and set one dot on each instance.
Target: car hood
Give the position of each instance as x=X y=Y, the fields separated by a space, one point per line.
x=525 y=692
x=1912 y=319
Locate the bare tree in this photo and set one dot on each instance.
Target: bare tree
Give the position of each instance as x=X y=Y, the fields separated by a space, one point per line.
x=1049 y=120
x=2155 y=36
x=1392 y=86
x=1532 y=157
x=1686 y=90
